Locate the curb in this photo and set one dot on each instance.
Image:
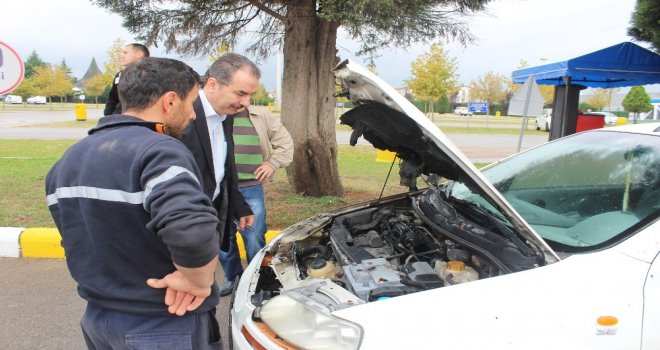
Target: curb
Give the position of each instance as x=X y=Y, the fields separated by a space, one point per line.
x=43 y=242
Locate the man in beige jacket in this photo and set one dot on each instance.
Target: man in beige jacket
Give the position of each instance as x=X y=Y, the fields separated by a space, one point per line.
x=262 y=145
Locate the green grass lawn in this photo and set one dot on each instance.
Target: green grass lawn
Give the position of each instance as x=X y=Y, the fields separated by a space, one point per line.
x=86 y=124
x=56 y=106
x=25 y=163
x=23 y=168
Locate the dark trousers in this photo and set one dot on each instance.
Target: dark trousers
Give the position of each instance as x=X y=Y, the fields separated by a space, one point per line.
x=110 y=329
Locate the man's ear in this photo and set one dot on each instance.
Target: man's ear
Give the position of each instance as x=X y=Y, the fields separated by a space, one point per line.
x=168 y=100
x=211 y=82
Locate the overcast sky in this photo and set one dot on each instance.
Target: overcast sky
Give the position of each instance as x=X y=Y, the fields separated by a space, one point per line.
x=533 y=30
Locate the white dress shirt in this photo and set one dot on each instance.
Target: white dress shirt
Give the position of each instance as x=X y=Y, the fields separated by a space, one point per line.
x=218 y=141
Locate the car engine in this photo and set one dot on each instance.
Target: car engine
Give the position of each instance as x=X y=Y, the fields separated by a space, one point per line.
x=400 y=247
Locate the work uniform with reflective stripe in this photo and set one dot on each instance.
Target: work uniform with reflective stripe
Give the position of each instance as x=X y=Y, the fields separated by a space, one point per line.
x=128 y=203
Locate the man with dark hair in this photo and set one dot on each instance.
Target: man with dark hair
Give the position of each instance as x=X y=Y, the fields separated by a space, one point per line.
x=230 y=81
x=138 y=231
x=131 y=53
x=257 y=143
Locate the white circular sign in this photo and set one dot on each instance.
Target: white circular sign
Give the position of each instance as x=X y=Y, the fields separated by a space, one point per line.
x=11 y=69
x=82 y=97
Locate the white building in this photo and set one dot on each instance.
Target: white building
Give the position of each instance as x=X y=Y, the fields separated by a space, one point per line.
x=463 y=95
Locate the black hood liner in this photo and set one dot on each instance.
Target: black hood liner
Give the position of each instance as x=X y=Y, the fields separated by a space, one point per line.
x=388 y=129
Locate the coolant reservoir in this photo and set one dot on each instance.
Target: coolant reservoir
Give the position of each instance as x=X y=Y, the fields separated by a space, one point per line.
x=319 y=268
x=454 y=272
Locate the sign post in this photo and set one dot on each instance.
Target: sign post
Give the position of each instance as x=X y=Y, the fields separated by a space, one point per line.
x=479 y=107
x=11 y=69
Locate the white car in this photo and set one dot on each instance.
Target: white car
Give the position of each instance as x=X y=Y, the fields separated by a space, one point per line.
x=544 y=120
x=463 y=111
x=553 y=248
x=13 y=99
x=40 y=100
x=610 y=118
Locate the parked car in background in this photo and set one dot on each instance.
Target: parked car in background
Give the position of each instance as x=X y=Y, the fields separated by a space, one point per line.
x=553 y=248
x=37 y=100
x=610 y=118
x=544 y=120
x=462 y=111
x=13 y=99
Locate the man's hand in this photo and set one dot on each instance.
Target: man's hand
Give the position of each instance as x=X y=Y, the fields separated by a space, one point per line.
x=245 y=222
x=181 y=296
x=264 y=172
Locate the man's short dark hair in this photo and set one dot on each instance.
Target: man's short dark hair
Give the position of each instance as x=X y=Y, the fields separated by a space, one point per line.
x=144 y=82
x=224 y=68
x=140 y=47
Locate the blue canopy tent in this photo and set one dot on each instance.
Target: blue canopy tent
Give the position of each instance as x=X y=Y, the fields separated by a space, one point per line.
x=624 y=64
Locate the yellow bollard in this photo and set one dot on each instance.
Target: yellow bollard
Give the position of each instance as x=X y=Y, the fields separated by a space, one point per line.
x=621 y=121
x=81 y=112
x=385 y=156
x=498 y=114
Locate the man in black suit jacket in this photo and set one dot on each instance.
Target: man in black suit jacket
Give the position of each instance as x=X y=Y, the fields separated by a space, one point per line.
x=132 y=53
x=229 y=83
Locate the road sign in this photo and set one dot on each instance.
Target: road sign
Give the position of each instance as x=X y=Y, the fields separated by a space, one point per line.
x=527 y=101
x=478 y=107
x=11 y=69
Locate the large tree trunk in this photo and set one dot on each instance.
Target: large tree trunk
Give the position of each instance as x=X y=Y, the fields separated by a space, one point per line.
x=307 y=101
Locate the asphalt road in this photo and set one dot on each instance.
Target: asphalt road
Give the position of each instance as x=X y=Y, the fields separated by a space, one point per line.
x=478 y=148
x=41 y=309
x=40 y=306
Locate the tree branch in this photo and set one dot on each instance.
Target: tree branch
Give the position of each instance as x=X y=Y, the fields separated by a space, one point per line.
x=266 y=9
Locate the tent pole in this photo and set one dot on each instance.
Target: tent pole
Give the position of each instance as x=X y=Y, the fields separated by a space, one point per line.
x=567 y=82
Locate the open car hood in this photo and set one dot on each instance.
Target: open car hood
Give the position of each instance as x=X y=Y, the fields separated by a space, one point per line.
x=390 y=122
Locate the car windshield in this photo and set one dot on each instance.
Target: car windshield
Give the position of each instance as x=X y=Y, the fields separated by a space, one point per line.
x=583 y=190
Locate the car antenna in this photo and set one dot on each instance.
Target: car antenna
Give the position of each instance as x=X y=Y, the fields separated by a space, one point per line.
x=388 y=177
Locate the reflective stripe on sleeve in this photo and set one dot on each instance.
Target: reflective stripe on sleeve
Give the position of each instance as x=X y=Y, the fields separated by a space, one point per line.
x=117 y=195
x=103 y=194
x=167 y=175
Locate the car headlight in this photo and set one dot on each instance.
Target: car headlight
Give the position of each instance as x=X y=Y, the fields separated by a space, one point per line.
x=303 y=323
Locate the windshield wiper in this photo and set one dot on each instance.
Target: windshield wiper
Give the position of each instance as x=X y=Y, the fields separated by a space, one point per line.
x=496 y=220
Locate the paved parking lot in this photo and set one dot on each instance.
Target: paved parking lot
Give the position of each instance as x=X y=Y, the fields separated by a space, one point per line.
x=41 y=308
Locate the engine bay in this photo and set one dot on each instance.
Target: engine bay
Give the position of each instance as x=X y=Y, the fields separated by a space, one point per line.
x=408 y=245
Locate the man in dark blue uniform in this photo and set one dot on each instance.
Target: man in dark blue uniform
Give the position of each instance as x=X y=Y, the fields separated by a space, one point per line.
x=138 y=230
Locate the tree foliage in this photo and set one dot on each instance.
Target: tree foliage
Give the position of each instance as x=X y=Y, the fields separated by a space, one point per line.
x=52 y=81
x=67 y=71
x=222 y=49
x=645 y=23
x=113 y=64
x=491 y=87
x=600 y=99
x=637 y=100
x=95 y=86
x=434 y=74
x=306 y=32
x=33 y=61
x=197 y=26
x=261 y=96
x=25 y=90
